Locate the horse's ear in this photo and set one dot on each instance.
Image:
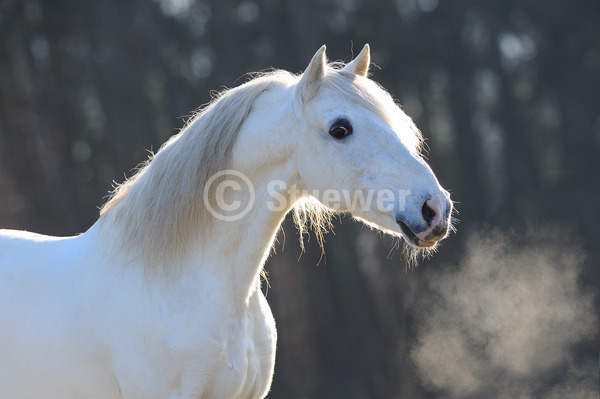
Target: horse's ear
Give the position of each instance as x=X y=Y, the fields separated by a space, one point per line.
x=311 y=78
x=360 y=65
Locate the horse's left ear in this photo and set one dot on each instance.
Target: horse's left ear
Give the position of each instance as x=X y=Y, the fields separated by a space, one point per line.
x=311 y=78
x=360 y=65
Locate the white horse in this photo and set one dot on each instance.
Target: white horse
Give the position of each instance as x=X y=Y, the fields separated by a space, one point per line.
x=161 y=297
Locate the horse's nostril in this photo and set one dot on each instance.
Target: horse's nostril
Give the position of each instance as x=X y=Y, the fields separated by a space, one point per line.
x=428 y=213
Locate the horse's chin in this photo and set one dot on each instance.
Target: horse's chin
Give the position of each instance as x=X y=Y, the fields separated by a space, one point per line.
x=411 y=238
x=413 y=250
x=422 y=244
x=400 y=230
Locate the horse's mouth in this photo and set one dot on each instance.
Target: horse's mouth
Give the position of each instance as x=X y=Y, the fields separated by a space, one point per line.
x=412 y=238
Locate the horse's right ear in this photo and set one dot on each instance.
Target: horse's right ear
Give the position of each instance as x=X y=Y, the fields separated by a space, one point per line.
x=311 y=78
x=360 y=65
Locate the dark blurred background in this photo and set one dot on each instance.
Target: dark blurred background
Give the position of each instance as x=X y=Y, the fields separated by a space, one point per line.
x=506 y=92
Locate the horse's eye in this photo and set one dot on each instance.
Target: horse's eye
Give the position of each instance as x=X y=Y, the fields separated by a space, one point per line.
x=340 y=129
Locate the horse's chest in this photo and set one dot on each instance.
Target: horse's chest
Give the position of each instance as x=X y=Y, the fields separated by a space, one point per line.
x=234 y=360
x=245 y=372
x=247 y=359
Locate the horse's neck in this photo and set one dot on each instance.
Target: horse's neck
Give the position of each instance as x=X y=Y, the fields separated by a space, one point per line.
x=190 y=244
x=225 y=255
x=239 y=248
